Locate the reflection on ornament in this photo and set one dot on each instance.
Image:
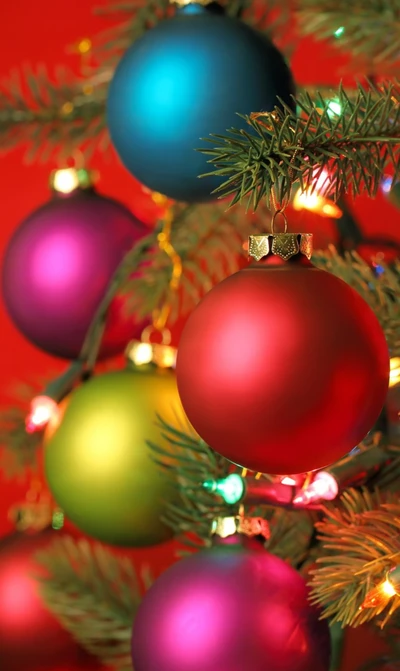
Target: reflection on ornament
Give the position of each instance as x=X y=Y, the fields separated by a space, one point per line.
x=382 y=593
x=43 y=409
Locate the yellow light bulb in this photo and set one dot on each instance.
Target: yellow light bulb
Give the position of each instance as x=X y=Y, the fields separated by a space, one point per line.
x=394 y=371
x=65 y=180
x=379 y=596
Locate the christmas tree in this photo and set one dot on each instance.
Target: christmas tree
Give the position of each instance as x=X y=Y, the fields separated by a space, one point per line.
x=272 y=460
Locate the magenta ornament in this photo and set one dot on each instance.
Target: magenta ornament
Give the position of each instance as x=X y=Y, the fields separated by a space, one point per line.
x=57 y=267
x=234 y=607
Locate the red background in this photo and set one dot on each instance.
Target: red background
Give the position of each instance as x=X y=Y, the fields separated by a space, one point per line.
x=39 y=32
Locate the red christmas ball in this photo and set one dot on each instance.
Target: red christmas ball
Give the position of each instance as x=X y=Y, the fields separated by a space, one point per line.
x=233 y=607
x=30 y=636
x=283 y=368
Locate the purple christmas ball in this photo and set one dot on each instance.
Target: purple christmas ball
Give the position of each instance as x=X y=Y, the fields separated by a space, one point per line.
x=234 y=607
x=57 y=267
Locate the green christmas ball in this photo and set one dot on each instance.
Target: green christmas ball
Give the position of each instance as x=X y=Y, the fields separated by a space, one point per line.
x=97 y=461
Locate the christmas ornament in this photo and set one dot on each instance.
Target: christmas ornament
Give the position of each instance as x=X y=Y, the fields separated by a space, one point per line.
x=98 y=464
x=59 y=263
x=232 y=607
x=181 y=81
x=30 y=636
x=282 y=368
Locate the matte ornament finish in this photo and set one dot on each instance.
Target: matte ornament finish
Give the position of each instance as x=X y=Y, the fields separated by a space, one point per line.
x=229 y=609
x=181 y=81
x=30 y=636
x=98 y=465
x=57 y=267
x=283 y=368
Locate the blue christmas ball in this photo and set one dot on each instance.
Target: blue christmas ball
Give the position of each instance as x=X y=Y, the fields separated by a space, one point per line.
x=185 y=79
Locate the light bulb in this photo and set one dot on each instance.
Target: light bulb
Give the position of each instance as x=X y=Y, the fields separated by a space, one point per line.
x=288 y=480
x=380 y=595
x=231 y=488
x=66 y=180
x=43 y=409
x=313 y=198
x=334 y=108
x=394 y=378
x=324 y=487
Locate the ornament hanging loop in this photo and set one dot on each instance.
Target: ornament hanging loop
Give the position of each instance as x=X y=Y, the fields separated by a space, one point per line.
x=280 y=212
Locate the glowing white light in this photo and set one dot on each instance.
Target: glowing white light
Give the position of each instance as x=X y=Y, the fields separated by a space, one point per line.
x=66 y=180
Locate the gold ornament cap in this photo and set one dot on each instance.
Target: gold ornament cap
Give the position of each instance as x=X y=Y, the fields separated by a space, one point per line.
x=67 y=180
x=239 y=524
x=283 y=245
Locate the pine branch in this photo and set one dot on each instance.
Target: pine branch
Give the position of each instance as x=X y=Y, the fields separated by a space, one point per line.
x=52 y=117
x=361 y=542
x=95 y=595
x=369 y=29
x=133 y=19
x=281 y=149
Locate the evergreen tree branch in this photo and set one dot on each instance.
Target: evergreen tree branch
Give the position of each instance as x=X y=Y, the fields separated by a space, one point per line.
x=281 y=148
x=95 y=595
x=133 y=19
x=52 y=117
x=369 y=29
x=361 y=542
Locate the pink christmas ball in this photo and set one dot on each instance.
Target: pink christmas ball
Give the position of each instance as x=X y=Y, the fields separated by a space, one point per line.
x=57 y=267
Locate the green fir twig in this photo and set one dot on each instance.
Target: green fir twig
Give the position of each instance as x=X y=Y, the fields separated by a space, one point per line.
x=367 y=29
x=281 y=148
x=52 y=115
x=95 y=595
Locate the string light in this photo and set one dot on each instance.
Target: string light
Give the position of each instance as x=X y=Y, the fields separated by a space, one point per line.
x=386 y=184
x=43 y=409
x=394 y=377
x=231 y=489
x=339 y=32
x=65 y=180
x=380 y=595
x=334 y=108
x=323 y=487
x=314 y=200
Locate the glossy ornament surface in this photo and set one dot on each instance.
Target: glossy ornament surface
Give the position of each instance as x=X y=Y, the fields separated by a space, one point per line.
x=183 y=80
x=58 y=265
x=98 y=465
x=283 y=368
x=233 y=607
